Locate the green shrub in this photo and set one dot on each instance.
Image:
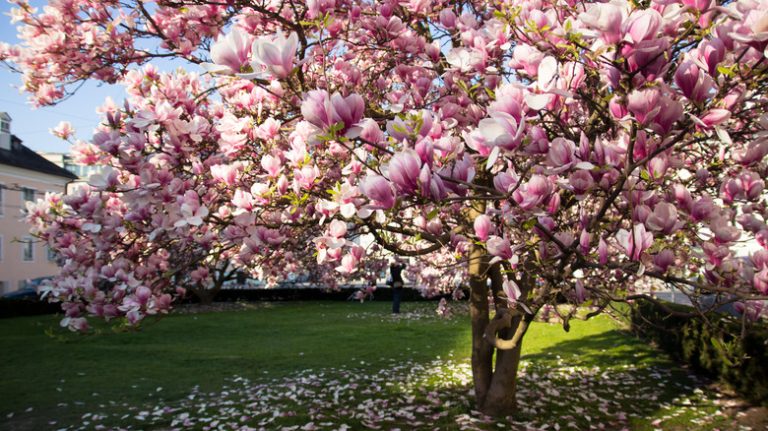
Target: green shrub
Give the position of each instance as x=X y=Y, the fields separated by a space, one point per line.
x=714 y=348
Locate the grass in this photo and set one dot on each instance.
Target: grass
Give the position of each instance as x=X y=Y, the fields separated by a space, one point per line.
x=51 y=381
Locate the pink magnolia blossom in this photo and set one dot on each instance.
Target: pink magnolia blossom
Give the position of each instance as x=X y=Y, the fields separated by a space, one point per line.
x=502 y=130
x=585 y=240
x=699 y=5
x=752 y=309
x=448 y=18
x=602 y=250
x=306 y=177
x=703 y=209
x=483 y=227
x=63 y=130
x=635 y=242
x=227 y=174
x=511 y=291
x=498 y=246
x=533 y=192
x=693 y=82
x=580 y=291
x=617 y=109
x=230 y=53
x=714 y=117
x=644 y=104
x=271 y=164
x=642 y=25
x=561 y=155
x=324 y=110
x=581 y=182
x=671 y=111
x=349 y=264
x=504 y=182
x=711 y=52
x=663 y=219
x=465 y=60
x=752 y=152
x=606 y=18
x=348 y=110
x=338 y=229
x=760 y=281
x=370 y=131
x=317 y=108
x=275 y=54
x=723 y=232
x=753 y=28
x=378 y=190
x=192 y=213
x=664 y=259
x=404 y=169
x=527 y=58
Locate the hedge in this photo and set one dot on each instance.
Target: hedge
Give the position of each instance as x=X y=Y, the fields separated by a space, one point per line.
x=31 y=307
x=714 y=349
x=312 y=294
x=26 y=307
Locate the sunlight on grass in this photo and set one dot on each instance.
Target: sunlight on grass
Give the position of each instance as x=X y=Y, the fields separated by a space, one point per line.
x=327 y=366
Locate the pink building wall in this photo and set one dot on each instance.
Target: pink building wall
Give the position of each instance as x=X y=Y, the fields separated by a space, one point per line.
x=14 y=269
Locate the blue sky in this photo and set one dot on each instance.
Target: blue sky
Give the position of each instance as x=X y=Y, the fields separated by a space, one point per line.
x=32 y=125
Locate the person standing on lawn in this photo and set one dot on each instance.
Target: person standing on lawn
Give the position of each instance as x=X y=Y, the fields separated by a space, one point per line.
x=396 y=282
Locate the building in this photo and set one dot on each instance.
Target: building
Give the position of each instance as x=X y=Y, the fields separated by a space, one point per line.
x=67 y=162
x=24 y=176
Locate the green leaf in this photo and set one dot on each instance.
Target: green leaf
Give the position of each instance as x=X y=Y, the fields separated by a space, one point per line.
x=728 y=71
x=529 y=224
x=723 y=349
x=399 y=128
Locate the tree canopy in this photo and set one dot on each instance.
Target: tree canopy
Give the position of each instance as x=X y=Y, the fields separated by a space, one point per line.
x=565 y=150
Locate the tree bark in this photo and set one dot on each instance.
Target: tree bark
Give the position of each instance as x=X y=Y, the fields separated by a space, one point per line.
x=495 y=388
x=501 y=399
x=482 y=351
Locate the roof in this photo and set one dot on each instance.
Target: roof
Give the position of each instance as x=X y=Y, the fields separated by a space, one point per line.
x=24 y=158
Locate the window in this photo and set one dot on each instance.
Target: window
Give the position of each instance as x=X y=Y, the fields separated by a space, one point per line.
x=2 y=287
x=5 y=126
x=51 y=255
x=27 y=194
x=27 y=250
x=2 y=202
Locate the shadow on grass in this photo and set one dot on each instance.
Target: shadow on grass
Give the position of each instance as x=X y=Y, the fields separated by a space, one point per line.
x=335 y=364
x=609 y=347
x=614 y=379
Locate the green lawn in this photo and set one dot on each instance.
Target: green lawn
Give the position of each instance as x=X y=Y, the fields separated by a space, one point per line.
x=290 y=354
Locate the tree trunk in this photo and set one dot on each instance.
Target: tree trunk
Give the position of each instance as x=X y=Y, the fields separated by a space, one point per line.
x=206 y=296
x=482 y=351
x=495 y=388
x=502 y=395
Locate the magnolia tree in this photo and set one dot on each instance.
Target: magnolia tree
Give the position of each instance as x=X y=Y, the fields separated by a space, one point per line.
x=546 y=151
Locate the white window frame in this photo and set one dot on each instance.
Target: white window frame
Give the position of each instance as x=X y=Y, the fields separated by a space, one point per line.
x=50 y=255
x=27 y=241
x=24 y=199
